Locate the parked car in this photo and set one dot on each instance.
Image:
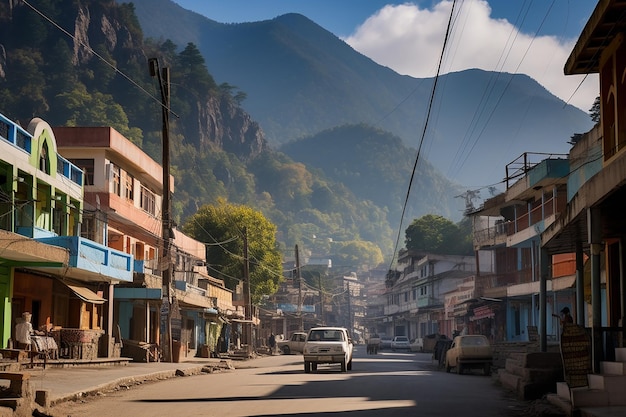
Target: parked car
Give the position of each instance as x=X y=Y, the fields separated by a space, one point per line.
x=295 y=344
x=469 y=351
x=328 y=345
x=417 y=344
x=385 y=343
x=400 y=343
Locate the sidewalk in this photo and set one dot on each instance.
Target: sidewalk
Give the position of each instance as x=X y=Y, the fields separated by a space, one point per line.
x=63 y=384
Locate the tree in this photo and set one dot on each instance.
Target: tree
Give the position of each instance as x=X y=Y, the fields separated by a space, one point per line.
x=594 y=111
x=358 y=253
x=193 y=72
x=436 y=234
x=222 y=227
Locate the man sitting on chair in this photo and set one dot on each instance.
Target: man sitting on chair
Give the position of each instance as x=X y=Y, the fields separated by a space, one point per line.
x=23 y=331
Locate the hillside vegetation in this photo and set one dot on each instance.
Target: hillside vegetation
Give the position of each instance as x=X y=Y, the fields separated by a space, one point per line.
x=218 y=150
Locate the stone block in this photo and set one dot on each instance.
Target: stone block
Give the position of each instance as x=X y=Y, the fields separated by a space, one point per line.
x=42 y=397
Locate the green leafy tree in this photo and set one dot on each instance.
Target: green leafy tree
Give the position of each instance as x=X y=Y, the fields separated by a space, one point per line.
x=27 y=81
x=436 y=234
x=193 y=71
x=222 y=227
x=358 y=253
x=97 y=109
x=594 y=111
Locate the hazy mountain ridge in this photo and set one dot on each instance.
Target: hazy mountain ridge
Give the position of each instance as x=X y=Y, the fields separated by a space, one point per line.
x=301 y=79
x=355 y=193
x=360 y=156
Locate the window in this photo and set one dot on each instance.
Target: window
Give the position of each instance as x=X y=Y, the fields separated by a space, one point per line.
x=115 y=177
x=44 y=161
x=129 y=191
x=148 y=200
x=87 y=165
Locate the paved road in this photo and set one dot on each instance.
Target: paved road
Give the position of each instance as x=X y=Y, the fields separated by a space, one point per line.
x=383 y=385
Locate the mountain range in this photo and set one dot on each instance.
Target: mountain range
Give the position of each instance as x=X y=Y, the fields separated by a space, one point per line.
x=292 y=122
x=301 y=79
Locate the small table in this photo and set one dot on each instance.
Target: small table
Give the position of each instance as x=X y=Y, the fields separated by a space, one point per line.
x=46 y=345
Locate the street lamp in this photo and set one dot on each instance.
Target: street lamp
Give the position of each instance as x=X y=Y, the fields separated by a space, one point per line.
x=163 y=76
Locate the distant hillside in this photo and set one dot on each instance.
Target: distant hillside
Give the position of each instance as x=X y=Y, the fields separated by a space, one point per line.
x=217 y=150
x=301 y=79
x=377 y=166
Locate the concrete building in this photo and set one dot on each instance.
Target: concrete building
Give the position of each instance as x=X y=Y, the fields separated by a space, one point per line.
x=416 y=294
x=48 y=269
x=505 y=302
x=123 y=199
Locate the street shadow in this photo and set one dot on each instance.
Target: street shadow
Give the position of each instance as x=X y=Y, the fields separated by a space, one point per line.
x=388 y=393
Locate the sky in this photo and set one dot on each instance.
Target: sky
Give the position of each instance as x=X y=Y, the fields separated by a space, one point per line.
x=516 y=36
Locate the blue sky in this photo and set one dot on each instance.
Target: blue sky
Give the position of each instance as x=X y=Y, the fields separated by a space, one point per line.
x=518 y=36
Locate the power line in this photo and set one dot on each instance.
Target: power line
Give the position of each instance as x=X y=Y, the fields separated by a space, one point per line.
x=421 y=142
x=117 y=70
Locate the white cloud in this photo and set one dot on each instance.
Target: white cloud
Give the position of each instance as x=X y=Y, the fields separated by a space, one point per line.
x=409 y=40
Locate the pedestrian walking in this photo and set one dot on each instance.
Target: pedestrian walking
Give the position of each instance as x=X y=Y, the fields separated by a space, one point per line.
x=272 y=343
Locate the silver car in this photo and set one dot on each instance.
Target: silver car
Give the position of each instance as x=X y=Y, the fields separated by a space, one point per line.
x=400 y=343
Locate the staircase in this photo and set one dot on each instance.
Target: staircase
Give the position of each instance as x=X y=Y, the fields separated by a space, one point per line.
x=604 y=395
x=531 y=375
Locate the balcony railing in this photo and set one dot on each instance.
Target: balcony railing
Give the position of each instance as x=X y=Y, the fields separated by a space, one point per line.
x=14 y=134
x=509 y=278
x=491 y=235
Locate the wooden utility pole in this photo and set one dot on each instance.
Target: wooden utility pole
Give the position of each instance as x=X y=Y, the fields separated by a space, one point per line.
x=319 y=283
x=163 y=75
x=246 y=292
x=299 y=279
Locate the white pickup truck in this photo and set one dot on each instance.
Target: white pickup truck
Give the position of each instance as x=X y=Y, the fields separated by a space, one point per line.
x=328 y=345
x=295 y=343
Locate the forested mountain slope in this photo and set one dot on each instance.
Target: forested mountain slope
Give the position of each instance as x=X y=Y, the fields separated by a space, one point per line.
x=301 y=79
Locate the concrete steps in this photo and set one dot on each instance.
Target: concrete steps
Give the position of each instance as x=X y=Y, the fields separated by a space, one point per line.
x=603 y=392
x=531 y=375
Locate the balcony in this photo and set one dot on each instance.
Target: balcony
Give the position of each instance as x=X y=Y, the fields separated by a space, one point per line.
x=189 y=288
x=534 y=171
x=34 y=232
x=91 y=261
x=14 y=134
x=491 y=236
x=427 y=301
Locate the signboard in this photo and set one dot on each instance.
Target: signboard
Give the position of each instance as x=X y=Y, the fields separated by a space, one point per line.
x=576 y=354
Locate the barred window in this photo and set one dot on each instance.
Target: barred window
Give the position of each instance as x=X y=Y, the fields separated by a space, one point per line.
x=130 y=187
x=148 y=200
x=116 y=178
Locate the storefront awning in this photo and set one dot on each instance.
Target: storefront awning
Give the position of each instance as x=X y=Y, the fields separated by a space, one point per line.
x=86 y=294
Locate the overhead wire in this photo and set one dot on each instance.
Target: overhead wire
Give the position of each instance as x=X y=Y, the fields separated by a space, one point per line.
x=487 y=93
x=423 y=135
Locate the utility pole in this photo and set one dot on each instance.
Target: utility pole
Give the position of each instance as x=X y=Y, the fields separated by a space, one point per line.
x=163 y=76
x=350 y=327
x=299 y=278
x=246 y=291
x=319 y=283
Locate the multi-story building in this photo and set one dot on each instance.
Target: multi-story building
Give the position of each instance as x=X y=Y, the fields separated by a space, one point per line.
x=510 y=225
x=592 y=222
x=123 y=200
x=48 y=269
x=416 y=294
